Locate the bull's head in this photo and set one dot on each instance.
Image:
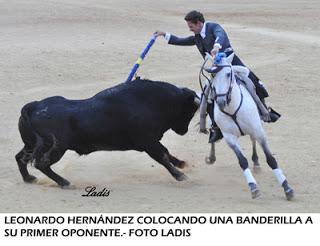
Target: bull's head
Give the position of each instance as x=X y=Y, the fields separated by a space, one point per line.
x=189 y=105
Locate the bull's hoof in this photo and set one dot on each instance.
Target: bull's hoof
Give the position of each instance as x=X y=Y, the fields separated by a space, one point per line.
x=30 y=179
x=68 y=187
x=64 y=184
x=210 y=160
x=181 y=177
x=181 y=164
x=289 y=194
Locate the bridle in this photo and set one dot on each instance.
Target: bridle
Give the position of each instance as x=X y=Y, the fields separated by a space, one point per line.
x=214 y=70
x=228 y=93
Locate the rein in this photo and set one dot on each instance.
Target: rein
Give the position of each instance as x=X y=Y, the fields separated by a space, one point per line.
x=200 y=81
x=234 y=115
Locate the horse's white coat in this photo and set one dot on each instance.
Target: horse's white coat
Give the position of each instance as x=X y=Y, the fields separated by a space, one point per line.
x=247 y=117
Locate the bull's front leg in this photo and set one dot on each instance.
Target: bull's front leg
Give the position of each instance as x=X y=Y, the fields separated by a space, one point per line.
x=159 y=153
x=176 y=162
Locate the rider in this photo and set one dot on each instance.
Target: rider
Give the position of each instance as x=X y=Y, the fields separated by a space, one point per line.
x=211 y=37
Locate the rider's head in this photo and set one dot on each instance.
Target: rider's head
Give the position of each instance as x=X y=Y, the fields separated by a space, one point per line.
x=195 y=21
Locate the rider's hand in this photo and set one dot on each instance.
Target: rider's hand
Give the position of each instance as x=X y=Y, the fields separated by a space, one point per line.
x=215 y=51
x=159 y=33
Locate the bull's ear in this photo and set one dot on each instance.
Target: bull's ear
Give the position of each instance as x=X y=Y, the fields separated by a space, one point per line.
x=197 y=99
x=190 y=95
x=230 y=58
x=187 y=91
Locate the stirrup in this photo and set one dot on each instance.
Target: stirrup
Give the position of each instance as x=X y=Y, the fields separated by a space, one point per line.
x=215 y=135
x=274 y=116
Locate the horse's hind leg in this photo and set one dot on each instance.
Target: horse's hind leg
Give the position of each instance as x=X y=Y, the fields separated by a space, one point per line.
x=22 y=158
x=255 y=158
x=212 y=155
x=235 y=146
x=276 y=170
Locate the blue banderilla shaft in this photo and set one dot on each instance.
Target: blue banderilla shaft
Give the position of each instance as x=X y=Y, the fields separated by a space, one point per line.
x=140 y=59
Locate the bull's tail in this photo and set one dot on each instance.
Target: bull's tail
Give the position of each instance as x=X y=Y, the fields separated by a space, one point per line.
x=37 y=148
x=32 y=140
x=38 y=145
x=28 y=134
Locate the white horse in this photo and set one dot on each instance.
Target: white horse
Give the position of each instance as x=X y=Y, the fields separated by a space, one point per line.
x=236 y=114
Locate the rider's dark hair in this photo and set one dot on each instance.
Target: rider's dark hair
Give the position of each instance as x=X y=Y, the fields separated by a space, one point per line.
x=194 y=16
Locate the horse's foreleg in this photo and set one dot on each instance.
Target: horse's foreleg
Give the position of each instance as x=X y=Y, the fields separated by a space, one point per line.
x=255 y=159
x=235 y=146
x=272 y=162
x=212 y=155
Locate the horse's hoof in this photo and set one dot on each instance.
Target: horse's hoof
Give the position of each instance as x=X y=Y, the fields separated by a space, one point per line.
x=289 y=194
x=288 y=190
x=255 y=194
x=256 y=168
x=181 y=177
x=30 y=179
x=210 y=160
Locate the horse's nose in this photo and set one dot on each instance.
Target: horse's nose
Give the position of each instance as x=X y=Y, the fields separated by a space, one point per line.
x=221 y=102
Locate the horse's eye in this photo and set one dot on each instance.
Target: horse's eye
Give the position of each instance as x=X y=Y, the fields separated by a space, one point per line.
x=228 y=74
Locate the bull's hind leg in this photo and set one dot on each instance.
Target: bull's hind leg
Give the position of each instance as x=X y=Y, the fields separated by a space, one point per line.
x=52 y=155
x=51 y=174
x=44 y=163
x=159 y=153
x=276 y=170
x=23 y=158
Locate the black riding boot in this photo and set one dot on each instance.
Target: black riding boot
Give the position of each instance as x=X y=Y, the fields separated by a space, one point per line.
x=274 y=116
x=215 y=132
x=260 y=89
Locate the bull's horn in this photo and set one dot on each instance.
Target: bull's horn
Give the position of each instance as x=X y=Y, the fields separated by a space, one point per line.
x=197 y=99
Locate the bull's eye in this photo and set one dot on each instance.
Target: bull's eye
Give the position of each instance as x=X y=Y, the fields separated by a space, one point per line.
x=228 y=75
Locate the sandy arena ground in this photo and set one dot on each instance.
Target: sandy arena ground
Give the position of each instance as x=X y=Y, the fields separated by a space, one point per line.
x=77 y=48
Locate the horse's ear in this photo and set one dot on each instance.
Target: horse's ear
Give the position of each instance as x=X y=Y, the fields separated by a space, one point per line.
x=230 y=58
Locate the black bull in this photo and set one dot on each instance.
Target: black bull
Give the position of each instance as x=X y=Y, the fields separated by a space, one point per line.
x=130 y=116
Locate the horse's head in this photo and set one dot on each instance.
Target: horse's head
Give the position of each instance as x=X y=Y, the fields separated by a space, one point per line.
x=222 y=80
